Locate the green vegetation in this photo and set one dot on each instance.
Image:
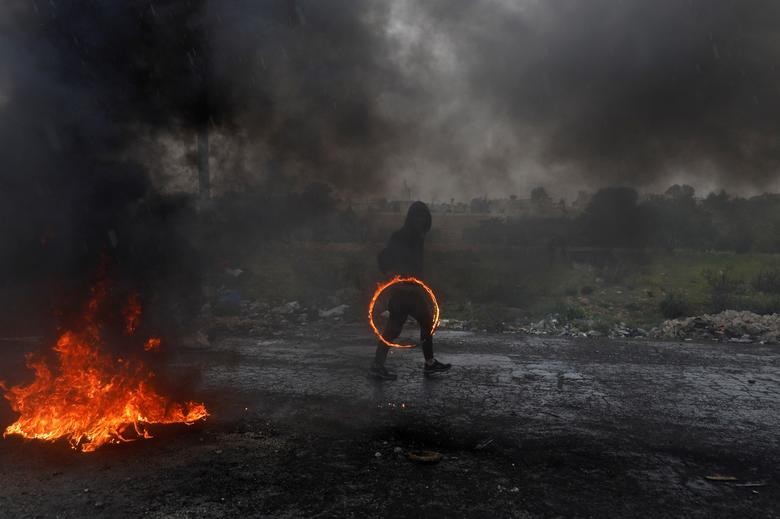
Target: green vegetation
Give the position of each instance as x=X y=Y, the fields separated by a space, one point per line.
x=674 y=305
x=491 y=287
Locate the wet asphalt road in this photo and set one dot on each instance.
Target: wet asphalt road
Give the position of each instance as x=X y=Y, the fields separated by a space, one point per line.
x=716 y=395
x=528 y=426
x=662 y=418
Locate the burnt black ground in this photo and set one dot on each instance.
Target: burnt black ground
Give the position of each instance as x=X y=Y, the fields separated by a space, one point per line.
x=528 y=427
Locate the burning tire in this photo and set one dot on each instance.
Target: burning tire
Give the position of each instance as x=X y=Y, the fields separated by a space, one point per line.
x=381 y=289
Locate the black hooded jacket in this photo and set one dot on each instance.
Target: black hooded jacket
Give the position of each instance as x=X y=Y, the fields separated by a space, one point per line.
x=404 y=252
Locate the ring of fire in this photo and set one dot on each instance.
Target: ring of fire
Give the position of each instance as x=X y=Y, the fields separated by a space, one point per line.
x=384 y=286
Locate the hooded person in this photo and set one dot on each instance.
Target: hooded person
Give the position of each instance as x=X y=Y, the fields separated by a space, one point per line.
x=403 y=256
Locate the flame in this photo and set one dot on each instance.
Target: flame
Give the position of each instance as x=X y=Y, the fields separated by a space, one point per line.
x=132 y=313
x=152 y=344
x=92 y=398
x=384 y=286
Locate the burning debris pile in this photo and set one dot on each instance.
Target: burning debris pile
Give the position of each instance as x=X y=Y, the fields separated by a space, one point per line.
x=94 y=397
x=730 y=325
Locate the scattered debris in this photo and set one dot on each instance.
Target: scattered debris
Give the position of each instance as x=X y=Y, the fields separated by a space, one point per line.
x=750 y=484
x=453 y=324
x=424 y=456
x=336 y=311
x=556 y=325
x=287 y=308
x=484 y=443
x=729 y=325
x=552 y=325
x=720 y=477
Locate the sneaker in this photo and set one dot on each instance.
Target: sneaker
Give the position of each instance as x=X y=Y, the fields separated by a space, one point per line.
x=436 y=367
x=380 y=373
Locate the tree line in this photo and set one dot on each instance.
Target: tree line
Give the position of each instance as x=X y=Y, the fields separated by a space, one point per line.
x=617 y=217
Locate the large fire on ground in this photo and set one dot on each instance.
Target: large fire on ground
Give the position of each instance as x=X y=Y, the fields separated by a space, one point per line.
x=94 y=397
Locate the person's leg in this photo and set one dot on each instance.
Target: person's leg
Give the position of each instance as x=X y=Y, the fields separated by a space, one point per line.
x=392 y=330
x=399 y=311
x=424 y=315
x=380 y=355
x=425 y=318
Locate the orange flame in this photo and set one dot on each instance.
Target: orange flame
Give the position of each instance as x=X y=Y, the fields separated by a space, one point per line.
x=92 y=399
x=152 y=344
x=132 y=313
x=384 y=286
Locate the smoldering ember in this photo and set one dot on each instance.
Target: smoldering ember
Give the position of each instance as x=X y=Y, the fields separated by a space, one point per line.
x=463 y=258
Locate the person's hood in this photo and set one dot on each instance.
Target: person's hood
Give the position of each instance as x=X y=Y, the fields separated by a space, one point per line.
x=418 y=217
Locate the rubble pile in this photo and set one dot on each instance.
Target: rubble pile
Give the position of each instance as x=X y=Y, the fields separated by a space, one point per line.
x=230 y=313
x=730 y=325
x=554 y=325
x=258 y=318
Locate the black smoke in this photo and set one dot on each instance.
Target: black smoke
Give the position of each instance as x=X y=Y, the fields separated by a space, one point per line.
x=614 y=92
x=91 y=90
x=459 y=98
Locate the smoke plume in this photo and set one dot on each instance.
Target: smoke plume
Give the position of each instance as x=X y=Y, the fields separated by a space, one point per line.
x=457 y=98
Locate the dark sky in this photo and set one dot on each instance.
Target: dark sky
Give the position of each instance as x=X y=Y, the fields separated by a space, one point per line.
x=457 y=97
